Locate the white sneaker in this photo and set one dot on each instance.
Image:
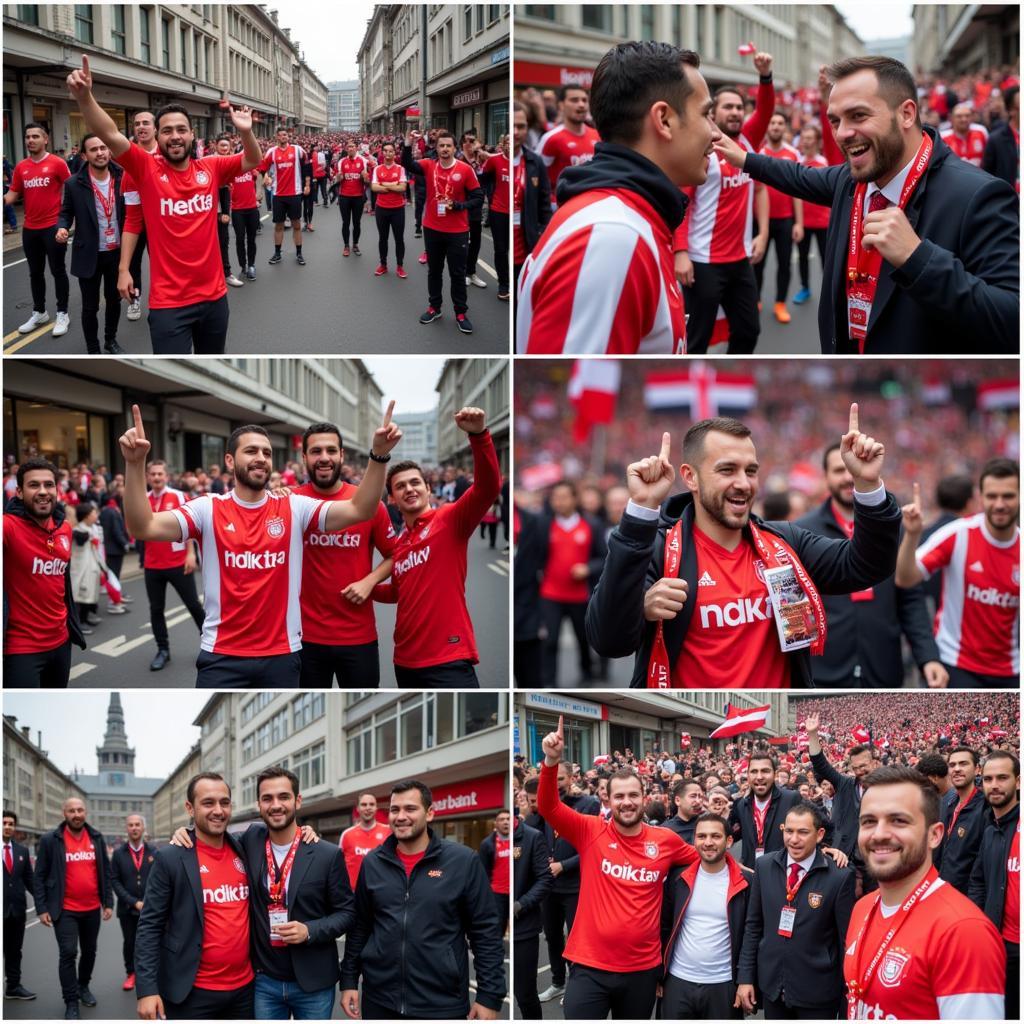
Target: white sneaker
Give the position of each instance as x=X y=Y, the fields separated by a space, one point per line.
x=116 y=609
x=34 y=321
x=62 y=325
x=551 y=992
x=233 y=281
x=479 y=282
x=135 y=310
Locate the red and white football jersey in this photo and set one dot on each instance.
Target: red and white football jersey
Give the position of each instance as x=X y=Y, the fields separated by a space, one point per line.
x=970 y=148
x=41 y=186
x=393 y=175
x=352 y=172
x=161 y=554
x=779 y=204
x=978 y=622
x=243 y=191
x=252 y=569
x=601 y=280
x=561 y=148
x=815 y=215
x=287 y=161
x=36 y=562
x=356 y=842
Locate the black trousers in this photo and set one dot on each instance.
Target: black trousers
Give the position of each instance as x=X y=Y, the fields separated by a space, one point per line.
x=224 y=238
x=491 y=528
x=552 y=613
x=780 y=234
x=351 y=208
x=77 y=932
x=778 y=1010
x=476 y=230
x=804 y=252
x=105 y=277
x=559 y=914
x=201 y=328
x=1012 y=1011
x=499 y=232
x=40 y=246
x=245 y=223
x=527 y=658
x=592 y=994
x=731 y=286
x=308 y=204
x=446 y=247
x=129 y=926
x=41 y=670
x=452 y=675
x=135 y=266
x=356 y=666
x=392 y=220
x=210 y=1004
x=321 y=185
x=229 y=672
x=690 y=1000
x=962 y=679
x=524 y=976
x=502 y=906
x=419 y=199
x=156 y=592
x=14 y=939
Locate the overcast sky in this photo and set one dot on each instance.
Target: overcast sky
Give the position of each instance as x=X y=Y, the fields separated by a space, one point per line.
x=877 y=21
x=410 y=382
x=329 y=34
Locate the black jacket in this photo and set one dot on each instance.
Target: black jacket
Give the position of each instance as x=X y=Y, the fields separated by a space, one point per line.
x=683 y=829
x=958 y=294
x=536 y=212
x=319 y=895
x=808 y=966
x=408 y=942
x=1002 y=157
x=863 y=646
x=486 y=854
x=115 y=536
x=169 y=942
x=18 y=884
x=988 y=876
x=530 y=558
x=568 y=881
x=50 y=867
x=616 y=626
x=16 y=507
x=531 y=880
x=79 y=209
x=845 y=804
x=960 y=848
x=742 y=827
x=129 y=884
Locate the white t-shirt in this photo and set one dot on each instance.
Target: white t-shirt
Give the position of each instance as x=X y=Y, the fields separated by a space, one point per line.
x=703 y=949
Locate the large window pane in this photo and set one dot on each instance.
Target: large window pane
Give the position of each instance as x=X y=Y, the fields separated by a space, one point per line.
x=477 y=711
x=387 y=742
x=445 y=717
x=412 y=726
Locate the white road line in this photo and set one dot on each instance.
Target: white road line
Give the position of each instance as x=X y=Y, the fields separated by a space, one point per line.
x=80 y=669
x=121 y=645
x=495 y=569
x=16 y=262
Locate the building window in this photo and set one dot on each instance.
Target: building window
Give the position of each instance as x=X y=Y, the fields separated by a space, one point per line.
x=411 y=714
x=165 y=43
x=480 y=11
x=262 y=735
x=493 y=13
x=83 y=23
x=546 y=12
x=647 y=21
x=184 y=51
x=249 y=790
x=309 y=765
x=467 y=23
x=279 y=728
x=28 y=13
x=307 y=708
x=117 y=37
x=144 y=40
x=359 y=750
x=248 y=748
x=385 y=739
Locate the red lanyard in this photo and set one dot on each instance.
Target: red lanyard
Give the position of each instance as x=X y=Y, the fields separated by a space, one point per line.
x=959 y=808
x=277 y=880
x=137 y=861
x=759 y=820
x=447 y=194
x=519 y=188
x=107 y=201
x=659 y=674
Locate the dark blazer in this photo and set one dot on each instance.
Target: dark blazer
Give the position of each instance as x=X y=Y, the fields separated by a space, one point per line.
x=1002 y=157
x=115 y=535
x=79 y=209
x=19 y=882
x=536 y=210
x=988 y=876
x=169 y=942
x=960 y=848
x=129 y=884
x=865 y=635
x=742 y=827
x=50 y=867
x=530 y=557
x=598 y=547
x=807 y=966
x=845 y=804
x=958 y=294
x=531 y=880
x=561 y=849
x=319 y=895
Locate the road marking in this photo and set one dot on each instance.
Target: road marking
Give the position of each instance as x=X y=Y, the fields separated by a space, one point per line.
x=121 y=645
x=490 y=270
x=80 y=669
x=494 y=567
x=27 y=339
x=16 y=262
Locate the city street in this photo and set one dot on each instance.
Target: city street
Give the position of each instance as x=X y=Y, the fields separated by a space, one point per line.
x=331 y=305
x=122 y=647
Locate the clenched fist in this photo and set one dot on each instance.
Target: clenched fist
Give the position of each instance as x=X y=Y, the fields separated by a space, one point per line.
x=665 y=599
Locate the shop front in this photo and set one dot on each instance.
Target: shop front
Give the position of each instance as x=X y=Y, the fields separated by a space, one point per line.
x=60 y=432
x=581 y=726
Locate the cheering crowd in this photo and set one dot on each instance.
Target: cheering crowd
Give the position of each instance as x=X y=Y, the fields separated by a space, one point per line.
x=731 y=875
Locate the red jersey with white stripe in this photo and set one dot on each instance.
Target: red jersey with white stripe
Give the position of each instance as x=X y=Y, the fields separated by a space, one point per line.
x=352 y=171
x=243 y=191
x=622 y=878
x=180 y=211
x=1011 y=904
x=287 y=161
x=498 y=165
x=779 y=204
x=447 y=183
x=224 y=963
x=41 y=186
x=133 y=221
x=601 y=280
x=385 y=175
x=978 y=622
x=252 y=569
x=815 y=215
x=331 y=562
x=35 y=565
x=356 y=842
x=945 y=962
x=561 y=148
x=569 y=543
x=161 y=554
x=319 y=165
x=970 y=147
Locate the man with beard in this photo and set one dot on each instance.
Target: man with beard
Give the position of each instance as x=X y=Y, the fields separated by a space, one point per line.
x=339 y=635
x=252 y=551
x=18 y=884
x=916 y=949
x=40 y=615
x=614 y=947
x=145 y=138
x=964 y=819
x=362 y=837
x=688 y=799
x=922 y=252
x=130 y=865
x=495 y=855
x=965 y=137
x=419 y=899
x=756 y=819
x=866 y=628
x=571 y=142
x=995 y=878
x=72 y=892
x=978 y=625
x=684 y=584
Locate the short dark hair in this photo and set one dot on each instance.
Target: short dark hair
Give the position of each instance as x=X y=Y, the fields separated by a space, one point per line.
x=723 y=89
x=320 y=428
x=711 y=816
x=225 y=137
x=402 y=467
x=566 y=483
x=531 y=784
x=861 y=748
x=190 y=792
x=895 y=82
x=236 y=435
x=1000 y=468
x=41 y=127
x=171 y=108
x=952 y=493
x=1009 y=95
x=365 y=792
x=963 y=749
x=806 y=807
x=632 y=76
x=762 y=755
x=35 y=463
x=693 y=442
x=406 y=784
x=10 y=814
x=775 y=505
x=933 y=766
x=445 y=134
x=894 y=775
x=681 y=787
x=564 y=90
x=84 y=509
x=834 y=447
x=623 y=773
x=86 y=137
x=1012 y=758
x=138 y=112
x=814 y=128
x=276 y=771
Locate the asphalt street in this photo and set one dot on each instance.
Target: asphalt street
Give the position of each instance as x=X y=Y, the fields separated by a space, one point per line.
x=39 y=975
x=122 y=646
x=331 y=305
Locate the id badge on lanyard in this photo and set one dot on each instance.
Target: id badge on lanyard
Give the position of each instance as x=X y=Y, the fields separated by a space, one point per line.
x=786 y=919
x=442 y=209
x=278 y=916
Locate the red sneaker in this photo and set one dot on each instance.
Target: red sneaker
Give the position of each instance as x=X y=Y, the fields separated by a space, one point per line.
x=400 y=272
x=129 y=983
x=381 y=270
x=344 y=252
x=423 y=257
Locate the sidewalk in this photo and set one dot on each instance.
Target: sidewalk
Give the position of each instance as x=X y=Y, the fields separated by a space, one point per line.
x=13 y=242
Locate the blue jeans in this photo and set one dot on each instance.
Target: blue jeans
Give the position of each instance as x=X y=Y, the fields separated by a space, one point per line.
x=279 y=1000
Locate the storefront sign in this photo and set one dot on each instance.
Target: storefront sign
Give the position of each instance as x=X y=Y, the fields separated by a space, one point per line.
x=412 y=111
x=500 y=56
x=470 y=797
x=532 y=73
x=567 y=706
x=468 y=97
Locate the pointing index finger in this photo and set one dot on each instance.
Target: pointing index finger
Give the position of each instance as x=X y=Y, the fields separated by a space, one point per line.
x=666 y=446
x=85 y=63
x=387 y=415
x=854 y=419
x=561 y=735
x=137 y=415
x=917 y=494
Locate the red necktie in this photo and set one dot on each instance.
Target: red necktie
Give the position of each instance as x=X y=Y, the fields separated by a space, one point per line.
x=8 y=859
x=877 y=202
x=794 y=876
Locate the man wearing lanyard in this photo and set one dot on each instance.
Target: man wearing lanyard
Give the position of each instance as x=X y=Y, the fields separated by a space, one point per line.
x=17 y=884
x=964 y=817
x=917 y=949
x=796 y=963
x=756 y=819
x=130 y=865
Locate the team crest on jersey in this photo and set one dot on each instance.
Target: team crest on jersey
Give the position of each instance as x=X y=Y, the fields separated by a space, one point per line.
x=517 y=852
x=895 y=961
x=64 y=543
x=163 y=177
x=1015 y=575
x=456 y=176
x=202 y=178
x=580 y=536
x=814 y=900
x=759 y=569
x=961 y=832
x=435 y=874
x=651 y=850
x=239 y=866
x=275 y=527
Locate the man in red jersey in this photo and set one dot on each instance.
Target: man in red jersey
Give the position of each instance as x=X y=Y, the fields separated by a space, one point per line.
x=964 y=137
x=40 y=615
x=363 y=837
x=497 y=169
x=188 y=306
x=815 y=215
x=389 y=184
x=39 y=179
x=339 y=636
x=572 y=142
x=245 y=219
x=695 y=586
x=452 y=192
x=144 y=125
x=916 y=949
x=601 y=277
x=434 y=641
x=291 y=184
x=496 y=855
x=353 y=173
x=978 y=624
x=192 y=955
x=614 y=947
x=252 y=551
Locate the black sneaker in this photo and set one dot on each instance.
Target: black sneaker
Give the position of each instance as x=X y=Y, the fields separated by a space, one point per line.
x=113 y=348
x=71 y=1011
x=276 y=258
x=18 y=992
x=463 y=324
x=159 y=662
x=430 y=316
x=355 y=251
x=85 y=997
x=300 y=259
x=419 y=233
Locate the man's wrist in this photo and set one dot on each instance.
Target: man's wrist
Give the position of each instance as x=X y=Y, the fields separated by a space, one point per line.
x=868 y=492
x=648 y=512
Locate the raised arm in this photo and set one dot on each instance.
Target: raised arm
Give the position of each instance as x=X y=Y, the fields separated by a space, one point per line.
x=563 y=819
x=96 y=119
x=757 y=124
x=908 y=572
x=471 y=506
x=142 y=522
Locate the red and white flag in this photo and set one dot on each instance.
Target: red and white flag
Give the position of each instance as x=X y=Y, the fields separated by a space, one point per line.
x=739 y=720
x=601 y=759
x=701 y=390
x=593 y=388
x=684 y=740
x=860 y=734
x=999 y=394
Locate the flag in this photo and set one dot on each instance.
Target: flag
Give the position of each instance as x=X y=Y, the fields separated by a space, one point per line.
x=536 y=478
x=983 y=721
x=781 y=741
x=701 y=390
x=593 y=388
x=999 y=394
x=936 y=391
x=860 y=734
x=739 y=720
x=684 y=740
x=601 y=759
x=746 y=49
